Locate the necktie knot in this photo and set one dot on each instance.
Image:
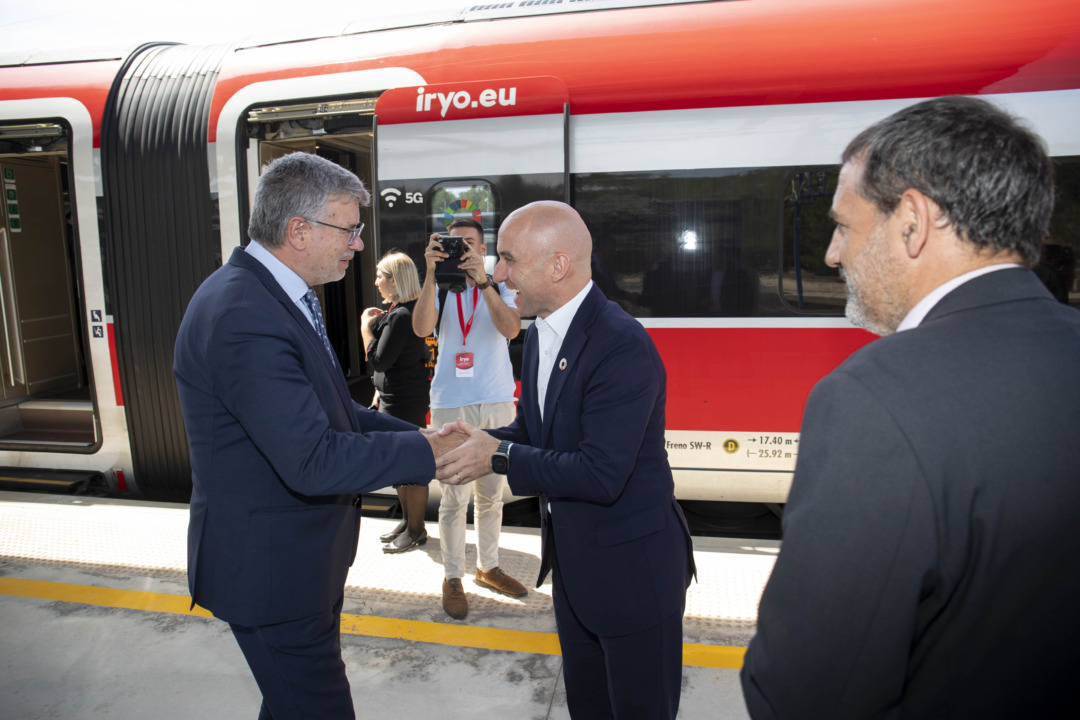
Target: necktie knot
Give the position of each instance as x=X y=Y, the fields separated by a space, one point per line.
x=312 y=302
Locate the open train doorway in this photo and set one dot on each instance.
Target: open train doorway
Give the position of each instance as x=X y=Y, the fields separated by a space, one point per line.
x=343 y=132
x=45 y=399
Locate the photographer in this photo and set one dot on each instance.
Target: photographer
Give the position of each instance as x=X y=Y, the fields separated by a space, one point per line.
x=475 y=381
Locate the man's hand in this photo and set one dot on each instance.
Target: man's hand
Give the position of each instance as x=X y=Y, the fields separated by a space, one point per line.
x=469 y=461
x=473 y=264
x=443 y=442
x=434 y=252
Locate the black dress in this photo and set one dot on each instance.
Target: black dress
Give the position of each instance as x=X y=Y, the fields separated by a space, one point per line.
x=396 y=360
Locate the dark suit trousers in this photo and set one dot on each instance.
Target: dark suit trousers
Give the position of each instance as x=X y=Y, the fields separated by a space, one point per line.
x=628 y=677
x=298 y=667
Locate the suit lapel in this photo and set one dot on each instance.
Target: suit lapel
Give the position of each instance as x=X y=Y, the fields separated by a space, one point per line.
x=572 y=346
x=241 y=259
x=529 y=366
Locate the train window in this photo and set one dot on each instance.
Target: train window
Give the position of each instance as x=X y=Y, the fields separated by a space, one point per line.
x=751 y=241
x=465 y=200
x=807 y=284
x=1058 y=265
x=699 y=243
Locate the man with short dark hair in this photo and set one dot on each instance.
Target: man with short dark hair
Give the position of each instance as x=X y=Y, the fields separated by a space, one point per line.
x=931 y=537
x=279 y=450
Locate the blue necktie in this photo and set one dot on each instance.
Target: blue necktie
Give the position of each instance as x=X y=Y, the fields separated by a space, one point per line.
x=312 y=302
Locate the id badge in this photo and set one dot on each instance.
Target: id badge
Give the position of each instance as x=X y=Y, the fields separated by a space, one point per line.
x=463 y=363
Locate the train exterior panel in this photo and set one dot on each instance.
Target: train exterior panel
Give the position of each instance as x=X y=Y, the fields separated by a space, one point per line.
x=699 y=140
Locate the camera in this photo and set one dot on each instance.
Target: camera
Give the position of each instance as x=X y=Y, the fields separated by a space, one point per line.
x=448 y=272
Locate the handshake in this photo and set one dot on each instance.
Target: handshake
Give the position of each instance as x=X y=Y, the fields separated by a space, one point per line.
x=462 y=452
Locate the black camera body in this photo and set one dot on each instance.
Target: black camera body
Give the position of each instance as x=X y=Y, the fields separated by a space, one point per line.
x=448 y=273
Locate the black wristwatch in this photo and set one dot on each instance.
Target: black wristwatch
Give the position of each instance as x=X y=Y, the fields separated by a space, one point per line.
x=500 y=461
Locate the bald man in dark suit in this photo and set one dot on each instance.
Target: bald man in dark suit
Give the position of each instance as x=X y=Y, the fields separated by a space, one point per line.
x=589 y=440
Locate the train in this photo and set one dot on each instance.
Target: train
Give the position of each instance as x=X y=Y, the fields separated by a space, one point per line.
x=699 y=140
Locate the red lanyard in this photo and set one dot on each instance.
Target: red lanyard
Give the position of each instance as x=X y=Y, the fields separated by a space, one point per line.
x=461 y=314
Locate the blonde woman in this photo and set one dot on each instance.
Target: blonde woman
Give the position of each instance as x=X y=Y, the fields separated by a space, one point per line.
x=396 y=360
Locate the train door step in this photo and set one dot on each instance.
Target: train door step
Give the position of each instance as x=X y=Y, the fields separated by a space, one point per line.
x=49 y=422
x=382 y=506
x=74 y=482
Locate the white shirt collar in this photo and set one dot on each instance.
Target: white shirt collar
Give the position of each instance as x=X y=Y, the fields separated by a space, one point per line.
x=560 y=320
x=293 y=285
x=918 y=313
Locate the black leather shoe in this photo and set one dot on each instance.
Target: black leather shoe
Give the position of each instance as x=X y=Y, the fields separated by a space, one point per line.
x=392 y=535
x=405 y=542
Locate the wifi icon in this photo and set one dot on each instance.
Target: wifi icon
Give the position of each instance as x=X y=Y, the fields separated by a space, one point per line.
x=390 y=195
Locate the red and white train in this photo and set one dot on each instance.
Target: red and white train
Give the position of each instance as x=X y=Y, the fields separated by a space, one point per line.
x=699 y=141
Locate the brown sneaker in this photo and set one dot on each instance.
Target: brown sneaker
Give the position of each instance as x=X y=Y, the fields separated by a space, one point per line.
x=499 y=581
x=454 y=601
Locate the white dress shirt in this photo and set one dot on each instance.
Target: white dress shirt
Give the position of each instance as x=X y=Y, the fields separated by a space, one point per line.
x=550 y=332
x=293 y=285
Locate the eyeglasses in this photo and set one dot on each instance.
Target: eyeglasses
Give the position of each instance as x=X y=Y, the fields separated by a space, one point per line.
x=354 y=233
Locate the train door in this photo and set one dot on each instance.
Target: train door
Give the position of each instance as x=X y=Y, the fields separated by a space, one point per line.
x=341 y=131
x=44 y=396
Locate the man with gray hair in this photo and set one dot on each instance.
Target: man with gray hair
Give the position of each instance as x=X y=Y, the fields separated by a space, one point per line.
x=279 y=450
x=928 y=566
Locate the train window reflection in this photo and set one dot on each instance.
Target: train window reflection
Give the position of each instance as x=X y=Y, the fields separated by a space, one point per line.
x=1061 y=251
x=751 y=241
x=464 y=200
x=701 y=243
x=807 y=284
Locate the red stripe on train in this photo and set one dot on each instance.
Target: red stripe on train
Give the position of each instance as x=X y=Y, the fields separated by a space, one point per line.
x=115 y=365
x=747 y=379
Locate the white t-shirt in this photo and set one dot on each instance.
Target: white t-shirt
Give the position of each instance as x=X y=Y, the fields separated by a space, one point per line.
x=492 y=377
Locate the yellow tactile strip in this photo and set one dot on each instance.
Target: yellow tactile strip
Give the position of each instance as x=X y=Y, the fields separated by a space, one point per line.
x=546 y=643
x=115 y=537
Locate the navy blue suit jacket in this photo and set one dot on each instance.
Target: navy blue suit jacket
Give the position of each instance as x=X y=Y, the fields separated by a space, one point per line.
x=279 y=451
x=931 y=537
x=598 y=457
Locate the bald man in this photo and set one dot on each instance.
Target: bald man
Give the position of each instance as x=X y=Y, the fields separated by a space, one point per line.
x=589 y=440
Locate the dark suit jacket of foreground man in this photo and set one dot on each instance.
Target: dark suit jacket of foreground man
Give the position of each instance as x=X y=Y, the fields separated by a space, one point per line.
x=931 y=553
x=279 y=452
x=624 y=554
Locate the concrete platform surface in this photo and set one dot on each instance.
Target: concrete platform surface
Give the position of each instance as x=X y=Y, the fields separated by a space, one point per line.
x=93 y=596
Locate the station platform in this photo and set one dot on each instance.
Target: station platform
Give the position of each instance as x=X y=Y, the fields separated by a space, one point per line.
x=96 y=623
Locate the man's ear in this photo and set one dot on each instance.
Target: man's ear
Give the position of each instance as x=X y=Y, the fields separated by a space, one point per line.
x=296 y=233
x=915 y=214
x=560 y=266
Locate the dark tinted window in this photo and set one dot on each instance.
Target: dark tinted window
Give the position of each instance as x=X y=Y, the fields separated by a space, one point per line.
x=1058 y=266
x=807 y=284
x=698 y=243
x=751 y=242
x=466 y=200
